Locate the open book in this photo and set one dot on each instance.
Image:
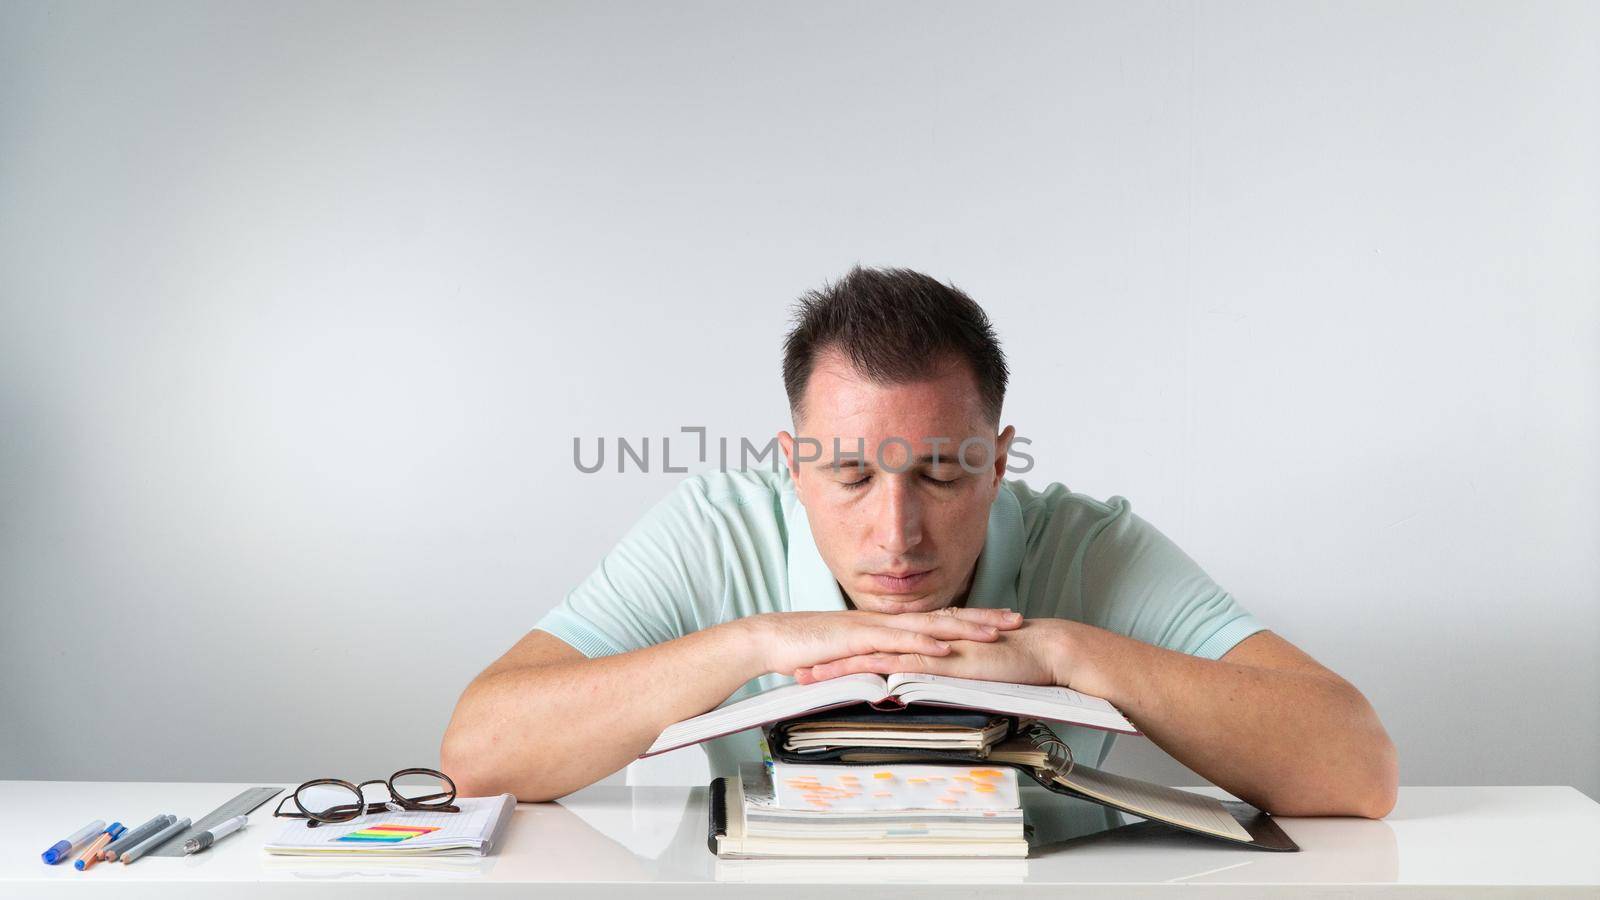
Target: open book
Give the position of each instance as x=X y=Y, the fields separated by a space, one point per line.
x=895 y=692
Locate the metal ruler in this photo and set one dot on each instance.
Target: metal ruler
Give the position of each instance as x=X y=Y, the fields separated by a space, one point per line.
x=238 y=806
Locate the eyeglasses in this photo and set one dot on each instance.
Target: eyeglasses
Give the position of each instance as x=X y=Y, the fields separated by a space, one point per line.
x=328 y=801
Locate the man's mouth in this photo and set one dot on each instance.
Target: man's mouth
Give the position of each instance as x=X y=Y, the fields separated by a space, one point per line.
x=904 y=582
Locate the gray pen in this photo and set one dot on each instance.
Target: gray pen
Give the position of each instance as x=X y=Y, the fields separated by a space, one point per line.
x=133 y=837
x=155 y=840
x=206 y=838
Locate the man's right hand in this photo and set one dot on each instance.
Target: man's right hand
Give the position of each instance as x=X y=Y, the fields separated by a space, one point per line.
x=786 y=641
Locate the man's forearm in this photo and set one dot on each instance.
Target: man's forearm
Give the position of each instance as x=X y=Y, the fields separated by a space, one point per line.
x=542 y=732
x=1290 y=742
x=541 y=723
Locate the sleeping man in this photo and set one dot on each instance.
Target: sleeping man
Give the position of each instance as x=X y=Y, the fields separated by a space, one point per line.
x=890 y=540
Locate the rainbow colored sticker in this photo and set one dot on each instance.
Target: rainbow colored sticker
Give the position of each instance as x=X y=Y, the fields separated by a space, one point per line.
x=388 y=834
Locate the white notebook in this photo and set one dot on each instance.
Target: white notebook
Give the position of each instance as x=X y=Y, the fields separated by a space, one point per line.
x=470 y=832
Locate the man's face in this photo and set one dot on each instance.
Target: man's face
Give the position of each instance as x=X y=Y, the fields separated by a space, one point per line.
x=908 y=516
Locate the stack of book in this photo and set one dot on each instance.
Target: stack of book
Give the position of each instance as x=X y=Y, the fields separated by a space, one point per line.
x=789 y=807
x=920 y=765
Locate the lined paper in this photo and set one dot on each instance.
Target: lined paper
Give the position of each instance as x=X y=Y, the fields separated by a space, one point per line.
x=470 y=832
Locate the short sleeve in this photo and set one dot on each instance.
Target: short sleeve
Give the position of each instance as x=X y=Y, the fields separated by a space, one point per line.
x=1138 y=583
x=649 y=587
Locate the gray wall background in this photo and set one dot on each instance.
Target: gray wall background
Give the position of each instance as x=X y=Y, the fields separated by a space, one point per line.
x=301 y=306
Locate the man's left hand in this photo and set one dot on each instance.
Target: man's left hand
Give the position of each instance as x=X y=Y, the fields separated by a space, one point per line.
x=1035 y=653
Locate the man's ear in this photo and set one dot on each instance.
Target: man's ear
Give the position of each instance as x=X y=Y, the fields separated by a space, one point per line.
x=1002 y=445
x=786 y=441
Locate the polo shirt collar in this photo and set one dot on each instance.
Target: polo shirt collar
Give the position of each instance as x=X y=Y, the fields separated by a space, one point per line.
x=812 y=587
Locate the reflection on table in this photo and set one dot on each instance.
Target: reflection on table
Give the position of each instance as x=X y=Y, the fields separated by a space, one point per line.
x=648 y=834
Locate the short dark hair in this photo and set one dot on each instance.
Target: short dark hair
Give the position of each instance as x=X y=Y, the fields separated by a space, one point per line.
x=896 y=326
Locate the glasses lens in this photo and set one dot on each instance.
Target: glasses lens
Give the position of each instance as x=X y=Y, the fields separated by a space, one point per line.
x=329 y=801
x=423 y=788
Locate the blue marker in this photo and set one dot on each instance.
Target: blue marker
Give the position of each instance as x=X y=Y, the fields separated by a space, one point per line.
x=70 y=845
x=91 y=853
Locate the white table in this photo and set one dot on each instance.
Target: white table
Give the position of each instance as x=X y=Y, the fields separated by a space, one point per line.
x=607 y=840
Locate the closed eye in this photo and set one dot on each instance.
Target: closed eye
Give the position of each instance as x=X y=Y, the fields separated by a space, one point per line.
x=862 y=482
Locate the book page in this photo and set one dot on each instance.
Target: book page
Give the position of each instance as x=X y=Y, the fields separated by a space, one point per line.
x=1039 y=701
x=779 y=703
x=1052 y=693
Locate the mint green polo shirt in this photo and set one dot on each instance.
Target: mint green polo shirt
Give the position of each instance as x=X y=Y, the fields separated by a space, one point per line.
x=723 y=545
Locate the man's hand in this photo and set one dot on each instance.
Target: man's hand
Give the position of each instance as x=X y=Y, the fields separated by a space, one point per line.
x=790 y=642
x=1031 y=653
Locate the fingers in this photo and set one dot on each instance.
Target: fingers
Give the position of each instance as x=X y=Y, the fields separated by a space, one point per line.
x=877 y=663
x=883 y=639
x=955 y=624
x=1004 y=619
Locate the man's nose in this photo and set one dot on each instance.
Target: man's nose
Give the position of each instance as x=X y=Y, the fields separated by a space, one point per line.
x=898 y=526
